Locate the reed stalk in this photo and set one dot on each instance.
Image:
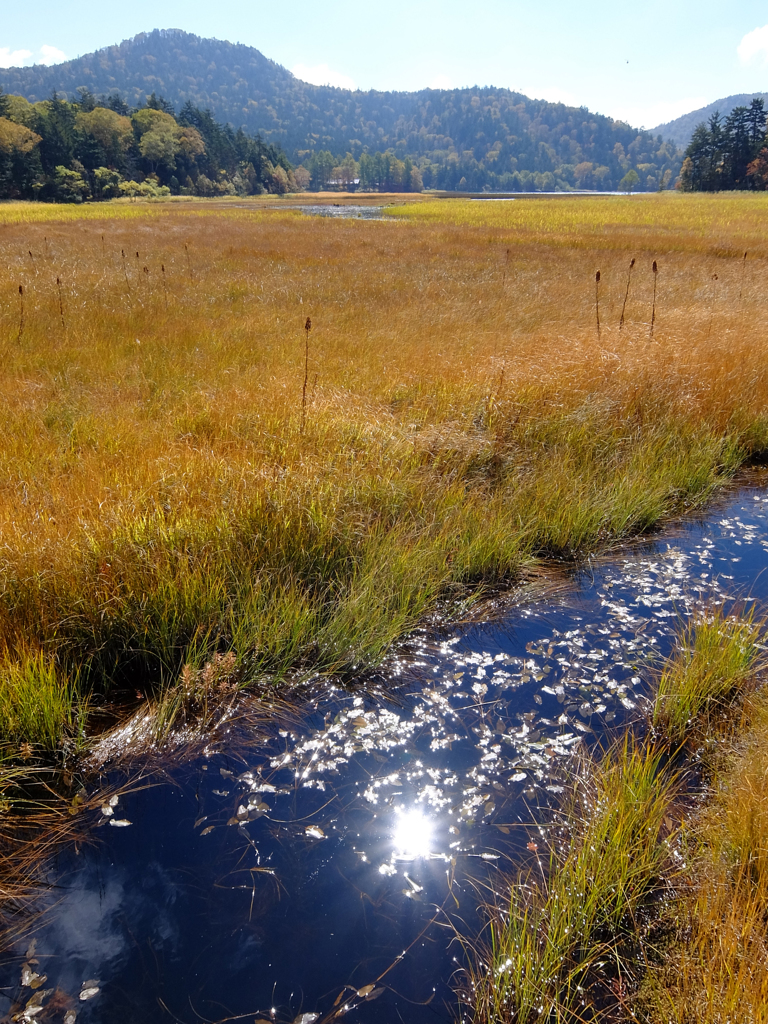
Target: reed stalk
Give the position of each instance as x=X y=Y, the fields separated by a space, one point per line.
x=307 y=329
x=61 y=304
x=626 y=293
x=655 y=277
x=21 y=312
x=597 y=302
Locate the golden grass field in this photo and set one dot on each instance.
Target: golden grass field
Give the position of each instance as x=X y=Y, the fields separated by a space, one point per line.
x=167 y=504
x=160 y=501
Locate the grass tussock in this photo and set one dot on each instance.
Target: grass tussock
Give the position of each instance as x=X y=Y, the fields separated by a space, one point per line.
x=716 y=656
x=39 y=704
x=573 y=922
x=632 y=915
x=184 y=476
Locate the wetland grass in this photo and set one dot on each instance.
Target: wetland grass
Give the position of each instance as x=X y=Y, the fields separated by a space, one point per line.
x=161 y=493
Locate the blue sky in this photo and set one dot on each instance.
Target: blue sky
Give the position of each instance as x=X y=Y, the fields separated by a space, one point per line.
x=644 y=62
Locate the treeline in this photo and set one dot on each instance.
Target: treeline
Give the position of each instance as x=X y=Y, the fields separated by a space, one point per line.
x=96 y=149
x=728 y=154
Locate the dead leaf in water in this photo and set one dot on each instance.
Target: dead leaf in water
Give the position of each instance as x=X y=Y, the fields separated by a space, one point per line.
x=206 y=831
x=365 y=990
x=90 y=988
x=306 y=1018
x=120 y=822
x=314 y=831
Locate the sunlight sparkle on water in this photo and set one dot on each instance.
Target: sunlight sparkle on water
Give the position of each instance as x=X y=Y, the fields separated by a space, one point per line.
x=413 y=834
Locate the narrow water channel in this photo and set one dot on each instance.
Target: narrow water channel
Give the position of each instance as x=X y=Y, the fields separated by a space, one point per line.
x=342 y=850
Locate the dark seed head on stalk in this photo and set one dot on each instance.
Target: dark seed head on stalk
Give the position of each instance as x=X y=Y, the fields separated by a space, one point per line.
x=597 y=277
x=308 y=325
x=632 y=263
x=653 y=314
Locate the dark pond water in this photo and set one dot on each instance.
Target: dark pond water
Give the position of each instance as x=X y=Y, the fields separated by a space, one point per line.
x=338 y=210
x=340 y=852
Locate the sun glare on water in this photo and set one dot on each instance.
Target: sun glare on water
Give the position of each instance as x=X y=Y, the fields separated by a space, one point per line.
x=412 y=836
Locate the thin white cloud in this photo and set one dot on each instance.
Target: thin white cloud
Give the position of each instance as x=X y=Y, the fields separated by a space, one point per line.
x=321 y=74
x=13 y=58
x=441 y=82
x=23 y=58
x=754 y=45
x=51 y=55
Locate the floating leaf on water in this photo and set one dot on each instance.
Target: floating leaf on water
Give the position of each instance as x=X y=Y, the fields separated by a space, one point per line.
x=306 y=1018
x=533 y=847
x=226 y=774
x=70 y=1017
x=414 y=885
x=360 y=722
x=314 y=831
x=241 y=814
x=113 y=800
x=362 y=992
x=200 y=821
x=491 y=856
x=206 y=831
x=35 y=1004
x=220 y=792
x=120 y=822
x=518 y=777
x=489 y=808
x=107 y=811
x=504 y=829
x=30 y=978
x=376 y=993
x=89 y=993
x=31 y=950
x=38 y=981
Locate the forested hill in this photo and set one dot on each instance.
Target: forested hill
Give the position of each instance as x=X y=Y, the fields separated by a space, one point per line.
x=458 y=139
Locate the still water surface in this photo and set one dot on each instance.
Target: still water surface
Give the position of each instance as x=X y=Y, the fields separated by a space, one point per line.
x=335 y=853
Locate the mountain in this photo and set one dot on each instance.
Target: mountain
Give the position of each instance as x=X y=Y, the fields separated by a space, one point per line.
x=681 y=129
x=463 y=138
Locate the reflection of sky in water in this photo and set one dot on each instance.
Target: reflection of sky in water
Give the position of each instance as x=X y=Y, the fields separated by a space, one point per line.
x=275 y=873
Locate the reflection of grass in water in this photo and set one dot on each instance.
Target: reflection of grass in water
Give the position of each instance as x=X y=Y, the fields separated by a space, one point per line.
x=577 y=932
x=41 y=813
x=163 y=505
